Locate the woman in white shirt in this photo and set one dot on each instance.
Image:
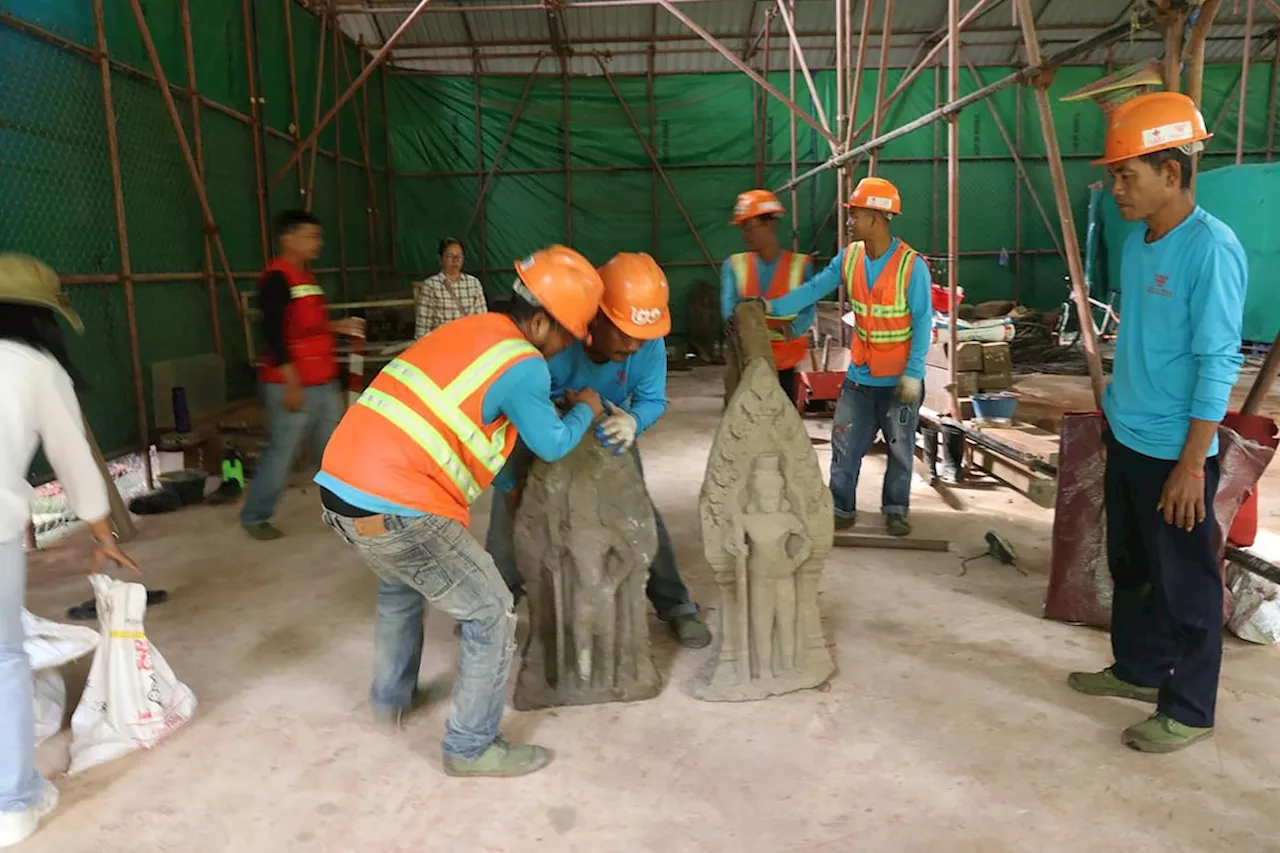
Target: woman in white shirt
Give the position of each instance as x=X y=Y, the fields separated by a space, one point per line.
x=39 y=409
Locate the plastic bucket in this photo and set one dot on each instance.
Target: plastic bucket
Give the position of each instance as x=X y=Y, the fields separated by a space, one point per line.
x=995 y=408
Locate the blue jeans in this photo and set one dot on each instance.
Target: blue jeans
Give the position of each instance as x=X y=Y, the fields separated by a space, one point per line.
x=20 y=785
x=665 y=588
x=322 y=408
x=435 y=560
x=861 y=412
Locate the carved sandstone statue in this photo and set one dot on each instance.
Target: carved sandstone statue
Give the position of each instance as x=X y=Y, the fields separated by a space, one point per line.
x=585 y=537
x=766 y=529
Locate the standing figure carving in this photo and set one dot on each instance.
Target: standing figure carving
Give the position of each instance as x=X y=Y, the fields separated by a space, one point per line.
x=766 y=529
x=585 y=538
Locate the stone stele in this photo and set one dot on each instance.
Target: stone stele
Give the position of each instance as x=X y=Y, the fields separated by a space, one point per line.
x=585 y=538
x=766 y=530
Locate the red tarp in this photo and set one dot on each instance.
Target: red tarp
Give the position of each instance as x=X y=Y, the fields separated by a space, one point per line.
x=1079 y=579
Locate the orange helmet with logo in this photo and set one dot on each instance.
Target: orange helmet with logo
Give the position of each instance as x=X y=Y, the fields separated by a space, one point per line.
x=636 y=296
x=753 y=203
x=564 y=283
x=876 y=194
x=1150 y=123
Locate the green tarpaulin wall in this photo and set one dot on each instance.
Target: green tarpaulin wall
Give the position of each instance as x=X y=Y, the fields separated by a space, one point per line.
x=1248 y=199
x=56 y=195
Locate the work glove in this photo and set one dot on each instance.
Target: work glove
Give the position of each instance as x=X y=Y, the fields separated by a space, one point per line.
x=617 y=430
x=910 y=390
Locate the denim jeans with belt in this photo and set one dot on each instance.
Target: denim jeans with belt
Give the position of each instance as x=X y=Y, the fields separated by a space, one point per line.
x=861 y=412
x=20 y=785
x=435 y=560
x=665 y=588
x=322 y=407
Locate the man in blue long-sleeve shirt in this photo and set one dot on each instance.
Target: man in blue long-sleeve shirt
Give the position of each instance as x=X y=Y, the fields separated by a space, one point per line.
x=888 y=286
x=1183 y=282
x=626 y=364
x=767 y=271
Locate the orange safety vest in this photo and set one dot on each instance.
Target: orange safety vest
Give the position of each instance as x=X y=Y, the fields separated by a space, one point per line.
x=788 y=274
x=882 y=330
x=416 y=436
x=306 y=329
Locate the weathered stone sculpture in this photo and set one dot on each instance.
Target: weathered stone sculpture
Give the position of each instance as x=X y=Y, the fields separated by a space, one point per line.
x=585 y=538
x=766 y=530
x=747 y=335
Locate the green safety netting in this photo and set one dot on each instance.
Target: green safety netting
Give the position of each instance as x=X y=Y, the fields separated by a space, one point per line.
x=57 y=198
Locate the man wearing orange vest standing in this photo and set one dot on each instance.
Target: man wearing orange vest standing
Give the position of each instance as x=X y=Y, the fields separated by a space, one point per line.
x=410 y=458
x=298 y=373
x=766 y=271
x=888 y=287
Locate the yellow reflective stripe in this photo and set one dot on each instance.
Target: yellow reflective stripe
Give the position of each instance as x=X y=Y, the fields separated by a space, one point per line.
x=487 y=365
x=889 y=336
x=904 y=275
x=425 y=436
x=852 y=257
x=738 y=263
x=798 y=262
x=298 y=291
x=441 y=404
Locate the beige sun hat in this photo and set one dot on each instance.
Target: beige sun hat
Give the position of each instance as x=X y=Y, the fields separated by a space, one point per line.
x=25 y=280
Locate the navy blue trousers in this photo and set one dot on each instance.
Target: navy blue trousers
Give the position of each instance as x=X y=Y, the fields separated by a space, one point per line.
x=1166 y=619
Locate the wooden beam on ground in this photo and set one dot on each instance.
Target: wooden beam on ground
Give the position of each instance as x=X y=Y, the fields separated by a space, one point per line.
x=121 y=520
x=868 y=537
x=1040 y=489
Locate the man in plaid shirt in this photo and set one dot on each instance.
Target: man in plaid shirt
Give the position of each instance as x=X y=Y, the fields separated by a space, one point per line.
x=449 y=294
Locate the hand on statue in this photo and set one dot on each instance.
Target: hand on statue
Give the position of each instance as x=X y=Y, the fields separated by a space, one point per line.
x=351 y=326
x=1182 y=498
x=588 y=397
x=910 y=390
x=618 y=430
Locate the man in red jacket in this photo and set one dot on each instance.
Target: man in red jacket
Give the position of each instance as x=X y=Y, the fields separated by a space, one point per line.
x=298 y=373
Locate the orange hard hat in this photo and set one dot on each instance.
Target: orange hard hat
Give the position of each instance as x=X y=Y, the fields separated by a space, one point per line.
x=753 y=203
x=1150 y=123
x=876 y=194
x=636 y=296
x=565 y=284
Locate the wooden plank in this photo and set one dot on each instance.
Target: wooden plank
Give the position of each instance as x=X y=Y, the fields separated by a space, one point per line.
x=1042 y=490
x=120 y=517
x=869 y=537
x=1028 y=438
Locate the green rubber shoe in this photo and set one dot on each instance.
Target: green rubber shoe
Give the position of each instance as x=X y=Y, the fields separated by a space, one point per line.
x=1159 y=733
x=897 y=525
x=500 y=759
x=845 y=522
x=691 y=631
x=263 y=531
x=1107 y=683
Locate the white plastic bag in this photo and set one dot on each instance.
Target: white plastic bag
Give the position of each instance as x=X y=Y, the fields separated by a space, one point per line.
x=132 y=698
x=49 y=645
x=1255 y=614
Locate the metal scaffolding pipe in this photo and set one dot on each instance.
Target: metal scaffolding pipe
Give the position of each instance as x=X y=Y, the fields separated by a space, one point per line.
x=657 y=165
x=804 y=67
x=670 y=6
x=882 y=73
x=378 y=59
x=863 y=38
x=1244 y=80
x=308 y=190
x=197 y=129
x=502 y=148
x=1084 y=46
x=795 y=197
x=1061 y=195
x=953 y=203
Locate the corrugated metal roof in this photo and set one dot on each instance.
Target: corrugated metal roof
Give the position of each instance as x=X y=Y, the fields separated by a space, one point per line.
x=609 y=26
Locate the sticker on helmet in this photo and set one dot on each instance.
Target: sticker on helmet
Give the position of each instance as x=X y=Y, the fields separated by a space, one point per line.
x=742 y=204
x=526 y=263
x=770 y=207
x=879 y=202
x=645 y=316
x=1168 y=134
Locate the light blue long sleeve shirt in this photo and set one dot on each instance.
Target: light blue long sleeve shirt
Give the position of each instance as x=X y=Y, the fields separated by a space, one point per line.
x=637 y=384
x=523 y=393
x=1178 y=347
x=764 y=274
x=919 y=301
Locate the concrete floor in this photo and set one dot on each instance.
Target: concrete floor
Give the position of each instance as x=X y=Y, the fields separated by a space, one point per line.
x=947 y=728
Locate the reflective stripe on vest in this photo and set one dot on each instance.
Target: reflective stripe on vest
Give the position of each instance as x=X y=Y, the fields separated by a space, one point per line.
x=445 y=403
x=897 y=310
x=301 y=291
x=743 y=272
